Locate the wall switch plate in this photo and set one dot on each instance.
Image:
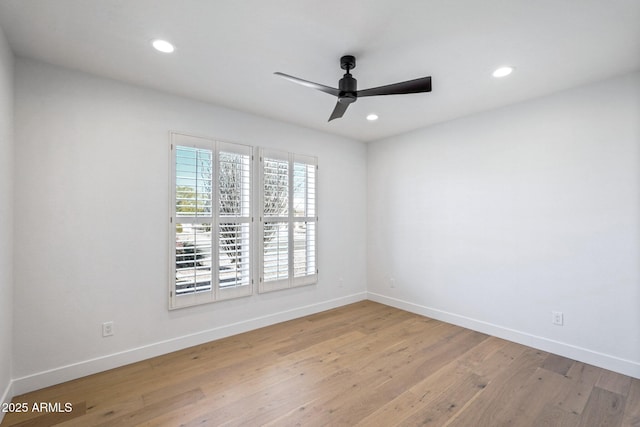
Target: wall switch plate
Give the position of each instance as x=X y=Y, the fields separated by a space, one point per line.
x=107 y=329
x=557 y=318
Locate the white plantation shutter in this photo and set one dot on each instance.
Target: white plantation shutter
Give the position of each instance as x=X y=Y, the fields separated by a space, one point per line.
x=234 y=221
x=304 y=220
x=274 y=230
x=211 y=223
x=288 y=220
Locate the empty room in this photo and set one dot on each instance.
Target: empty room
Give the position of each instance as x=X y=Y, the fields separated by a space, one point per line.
x=280 y=212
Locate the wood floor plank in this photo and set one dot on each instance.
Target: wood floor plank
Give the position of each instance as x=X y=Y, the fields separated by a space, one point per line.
x=565 y=404
x=148 y=412
x=558 y=364
x=100 y=411
x=327 y=327
x=604 y=408
x=614 y=382
x=453 y=375
x=489 y=406
x=363 y=364
x=553 y=415
x=529 y=399
x=444 y=405
x=583 y=379
x=632 y=408
x=281 y=398
x=500 y=361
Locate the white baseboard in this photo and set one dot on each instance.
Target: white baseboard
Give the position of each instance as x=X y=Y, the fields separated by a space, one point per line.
x=606 y=361
x=77 y=370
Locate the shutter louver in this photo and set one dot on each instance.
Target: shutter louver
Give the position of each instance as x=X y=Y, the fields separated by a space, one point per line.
x=193 y=182
x=276 y=188
x=235 y=260
x=193 y=258
x=276 y=251
x=304 y=252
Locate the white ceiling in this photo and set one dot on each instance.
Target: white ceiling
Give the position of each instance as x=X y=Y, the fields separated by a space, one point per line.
x=227 y=51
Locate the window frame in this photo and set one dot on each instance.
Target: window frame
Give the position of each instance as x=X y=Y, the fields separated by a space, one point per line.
x=217 y=292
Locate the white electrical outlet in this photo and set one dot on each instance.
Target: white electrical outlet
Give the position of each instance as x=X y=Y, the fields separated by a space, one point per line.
x=392 y=282
x=557 y=318
x=107 y=329
x=340 y=282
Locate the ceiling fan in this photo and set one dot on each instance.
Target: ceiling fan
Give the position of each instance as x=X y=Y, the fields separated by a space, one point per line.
x=348 y=92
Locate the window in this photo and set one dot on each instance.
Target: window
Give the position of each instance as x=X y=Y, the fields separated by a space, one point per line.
x=213 y=249
x=288 y=220
x=211 y=220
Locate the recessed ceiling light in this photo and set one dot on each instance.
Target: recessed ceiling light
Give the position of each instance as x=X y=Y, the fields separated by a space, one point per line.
x=372 y=117
x=502 y=71
x=163 y=46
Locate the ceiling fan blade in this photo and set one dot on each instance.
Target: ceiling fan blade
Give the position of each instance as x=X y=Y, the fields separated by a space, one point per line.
x=339 y=110
x=312 y=85
x=422 y=84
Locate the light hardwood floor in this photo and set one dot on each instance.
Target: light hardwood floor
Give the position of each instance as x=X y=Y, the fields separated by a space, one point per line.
x=364 y=364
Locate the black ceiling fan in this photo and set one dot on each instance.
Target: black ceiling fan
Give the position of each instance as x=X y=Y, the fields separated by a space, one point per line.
x=348 y=92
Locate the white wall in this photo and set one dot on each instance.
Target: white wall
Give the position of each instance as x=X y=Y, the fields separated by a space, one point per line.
x=92 y=164
x=6 y=216
x=495 y=220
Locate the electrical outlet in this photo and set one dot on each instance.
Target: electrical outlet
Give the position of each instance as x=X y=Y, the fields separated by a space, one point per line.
x=340 y=282
x=557 y=318
x=107 y=329
x=392 y=282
